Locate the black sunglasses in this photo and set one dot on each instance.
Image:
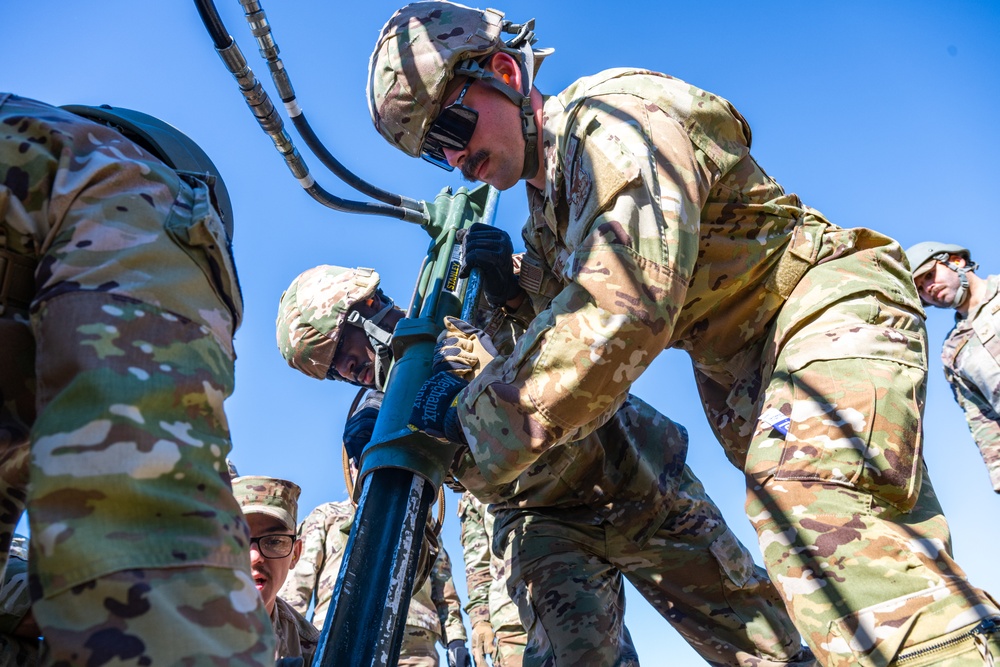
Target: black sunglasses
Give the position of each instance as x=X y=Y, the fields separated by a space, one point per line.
x=452 y=129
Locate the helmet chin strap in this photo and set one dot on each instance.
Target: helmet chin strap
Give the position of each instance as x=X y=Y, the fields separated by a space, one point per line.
x=379 y=338
x=520 y=48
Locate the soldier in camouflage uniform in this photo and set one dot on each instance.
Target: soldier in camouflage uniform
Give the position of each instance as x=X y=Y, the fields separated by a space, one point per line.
x=496 y=625
x=118 y=303
x=435 y=612
x=651 y=226
x=582 y=517
x=945 y=278
x=18 y=631
x=271 y=507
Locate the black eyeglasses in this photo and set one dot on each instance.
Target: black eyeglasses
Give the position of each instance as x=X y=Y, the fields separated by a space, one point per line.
x=274 y=546
x=452 y=129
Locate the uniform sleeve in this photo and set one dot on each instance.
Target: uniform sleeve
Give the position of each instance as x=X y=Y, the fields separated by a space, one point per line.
x=445 y=597
x=984 y=423
x=300 y=585
x=476 y=553
x=635 y=187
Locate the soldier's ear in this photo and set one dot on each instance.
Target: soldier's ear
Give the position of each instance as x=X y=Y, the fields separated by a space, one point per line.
x=505 y=68
x=296 y=552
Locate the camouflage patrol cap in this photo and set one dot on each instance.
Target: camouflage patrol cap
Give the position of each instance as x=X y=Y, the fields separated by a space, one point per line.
x=15 y=600
x=268 y=495
x=312 y=313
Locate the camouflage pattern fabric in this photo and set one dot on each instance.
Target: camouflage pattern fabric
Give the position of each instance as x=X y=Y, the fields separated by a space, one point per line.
x=656 y=229
x=18 y=641
x=565 y=567
x=129 y=499
x=486 y=577
x=435 y=607
x=971 y=358
x=296 y=637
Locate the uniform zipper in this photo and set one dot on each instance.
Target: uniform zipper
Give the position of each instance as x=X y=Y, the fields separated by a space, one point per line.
x=977 y=634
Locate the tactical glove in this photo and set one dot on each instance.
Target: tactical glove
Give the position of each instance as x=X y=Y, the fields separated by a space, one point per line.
x=434 y=410
x=458 y=654
x=489 y=249
x=358 y=431
x=462 y=349
x=482 y=643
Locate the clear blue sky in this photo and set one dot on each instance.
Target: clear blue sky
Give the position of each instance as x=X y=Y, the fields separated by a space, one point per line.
x=880 y=114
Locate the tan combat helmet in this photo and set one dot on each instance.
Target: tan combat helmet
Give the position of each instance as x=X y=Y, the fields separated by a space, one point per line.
x=923 y=256
x=421 y=49
x=312 y=313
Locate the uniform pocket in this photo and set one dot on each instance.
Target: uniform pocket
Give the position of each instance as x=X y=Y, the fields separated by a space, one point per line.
x=195 y=226
x=856 y=422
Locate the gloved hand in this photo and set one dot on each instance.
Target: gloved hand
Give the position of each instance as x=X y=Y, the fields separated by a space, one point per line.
x=489 y=249
x=482 y=643
x=462 y=349
x=458 y=654
x=358 y=431
x=434 y=410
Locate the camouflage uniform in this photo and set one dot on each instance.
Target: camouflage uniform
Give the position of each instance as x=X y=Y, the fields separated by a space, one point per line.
x=971 y=358
x=296 y=637
x=17 y=647
x=486 y=578
x=117 y=391
x=656 y=229
x=435 y=612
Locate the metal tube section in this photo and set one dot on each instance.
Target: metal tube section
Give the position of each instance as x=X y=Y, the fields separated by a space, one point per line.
x=271 y=122
x=373 y=591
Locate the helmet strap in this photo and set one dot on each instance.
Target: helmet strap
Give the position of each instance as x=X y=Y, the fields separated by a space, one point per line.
x=379 y=338
x=962 y=293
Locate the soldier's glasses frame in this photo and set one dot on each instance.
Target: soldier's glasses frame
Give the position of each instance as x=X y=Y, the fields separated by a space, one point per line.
x=452 y=130
x=274 y=545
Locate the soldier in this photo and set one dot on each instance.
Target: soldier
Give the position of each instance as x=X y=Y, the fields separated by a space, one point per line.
x=496 y=626
x=435 y=612
x=582 y=517
x=651 y=226
x=118 y=303
x=945 y=278
x=271 y=506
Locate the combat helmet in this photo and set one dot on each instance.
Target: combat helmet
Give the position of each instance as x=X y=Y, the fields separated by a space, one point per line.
x=427 y=44
x=312 y=314
x=922 y=257
x=171 y=146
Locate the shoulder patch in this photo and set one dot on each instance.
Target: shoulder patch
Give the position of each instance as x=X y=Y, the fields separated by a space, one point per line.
x=600 y=167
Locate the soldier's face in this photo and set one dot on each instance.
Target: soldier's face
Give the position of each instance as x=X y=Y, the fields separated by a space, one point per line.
x=355 y=358
x=938 y=286
x=495 y=153
x=269 y=573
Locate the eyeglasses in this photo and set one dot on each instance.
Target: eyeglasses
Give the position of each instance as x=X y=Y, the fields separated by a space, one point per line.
x=273 y=546
x=452 y=129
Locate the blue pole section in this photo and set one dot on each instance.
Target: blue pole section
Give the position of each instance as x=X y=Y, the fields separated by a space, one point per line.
x=401 y=470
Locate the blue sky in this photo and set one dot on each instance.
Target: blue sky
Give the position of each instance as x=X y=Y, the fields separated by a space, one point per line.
x=880 y=114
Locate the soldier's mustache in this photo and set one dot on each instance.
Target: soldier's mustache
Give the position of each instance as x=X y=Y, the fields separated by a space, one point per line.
x=472 y=163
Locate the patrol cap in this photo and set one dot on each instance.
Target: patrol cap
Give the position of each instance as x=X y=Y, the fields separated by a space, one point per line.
x=920 y=255
x=275 y=497
x=312 y=313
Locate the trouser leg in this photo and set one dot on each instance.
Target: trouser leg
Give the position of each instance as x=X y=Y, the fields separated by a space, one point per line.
x=570 y=599
x=695 y=572
x=852 y=534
